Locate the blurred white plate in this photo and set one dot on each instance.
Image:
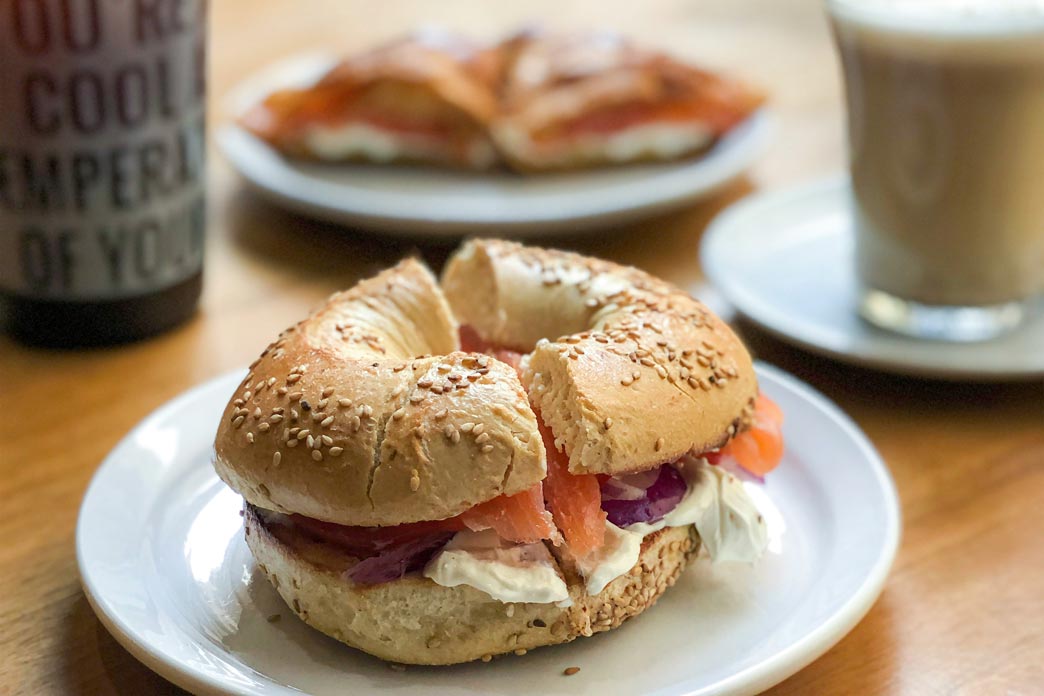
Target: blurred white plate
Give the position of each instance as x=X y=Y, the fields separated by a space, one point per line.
x=427 y=201
x=164 y=565
x=784 y=260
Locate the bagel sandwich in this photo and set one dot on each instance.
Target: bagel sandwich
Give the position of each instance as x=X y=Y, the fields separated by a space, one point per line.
x=596 y=98
x=529 y=452
x=427 y=98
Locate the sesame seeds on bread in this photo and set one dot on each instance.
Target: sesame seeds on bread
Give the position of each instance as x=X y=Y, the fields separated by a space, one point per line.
x=366 y=414
x=636 y=372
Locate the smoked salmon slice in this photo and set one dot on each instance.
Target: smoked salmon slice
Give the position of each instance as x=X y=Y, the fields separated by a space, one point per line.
x=521 y=518
x=760 y=448
x=575 y=500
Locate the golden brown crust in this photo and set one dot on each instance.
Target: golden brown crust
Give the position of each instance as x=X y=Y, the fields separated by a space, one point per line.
x=416 y=621
x=439 y=78
x=641 y=373
x=346 y=418
x=551 y=80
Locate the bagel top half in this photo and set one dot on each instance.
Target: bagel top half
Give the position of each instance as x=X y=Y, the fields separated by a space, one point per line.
x=367 y=414
x=627 y=370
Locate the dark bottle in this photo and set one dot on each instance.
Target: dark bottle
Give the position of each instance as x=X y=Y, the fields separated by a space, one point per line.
x=102 y=212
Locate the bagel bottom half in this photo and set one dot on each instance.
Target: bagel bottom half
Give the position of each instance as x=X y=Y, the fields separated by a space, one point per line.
x=416 y=621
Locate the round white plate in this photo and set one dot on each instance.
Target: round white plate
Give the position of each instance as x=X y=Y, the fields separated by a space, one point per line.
x=784 y=260
x=415 y=200
x=164 y=565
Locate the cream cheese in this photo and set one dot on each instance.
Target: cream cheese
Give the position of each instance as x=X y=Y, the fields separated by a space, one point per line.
x=729 y=524
x=369 y=142
x=504 y=570
x=617 y=556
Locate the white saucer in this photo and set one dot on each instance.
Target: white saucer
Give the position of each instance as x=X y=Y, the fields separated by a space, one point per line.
x=435 y=202
x=163 y=563
x=783 y=259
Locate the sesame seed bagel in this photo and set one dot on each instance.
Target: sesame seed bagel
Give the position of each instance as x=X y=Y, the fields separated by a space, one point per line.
x=416 y=621
x=340 y=420
x=640 y=374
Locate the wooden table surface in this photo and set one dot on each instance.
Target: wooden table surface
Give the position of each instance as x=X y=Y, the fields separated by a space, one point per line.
x=963 y=610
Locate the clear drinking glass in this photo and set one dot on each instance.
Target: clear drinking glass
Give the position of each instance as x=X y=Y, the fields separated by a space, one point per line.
x=946 y=145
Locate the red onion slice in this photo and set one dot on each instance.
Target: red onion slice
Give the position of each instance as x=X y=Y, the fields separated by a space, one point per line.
x=659 y=497
x=394 y=562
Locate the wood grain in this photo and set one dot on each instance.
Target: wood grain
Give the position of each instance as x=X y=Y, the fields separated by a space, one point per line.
x=963 y=611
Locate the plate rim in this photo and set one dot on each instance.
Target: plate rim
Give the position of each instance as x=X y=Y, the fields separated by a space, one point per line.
x=714 y=245
x=755 y=678
x=736 y=156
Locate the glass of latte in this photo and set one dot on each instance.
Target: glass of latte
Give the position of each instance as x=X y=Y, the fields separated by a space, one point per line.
x=946 y=144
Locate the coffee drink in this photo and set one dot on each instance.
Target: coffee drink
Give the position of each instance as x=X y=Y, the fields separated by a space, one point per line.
x=946 y=134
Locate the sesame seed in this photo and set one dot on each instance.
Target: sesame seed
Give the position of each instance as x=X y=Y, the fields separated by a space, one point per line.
x=263 y=427
x=486 y=449
x=294 y=396
x=247 y=394
x=292 y=443
x=292 y=379
x=444 y=368
x=395 y=392
x=608 y=423
x=482 y=438
x=327 y=422
x=322 y=403
x=425 y=384
x=414 y=480
x=250 y=438
x=237 y=402
x=366 y=411
x=276 y=457
x=327 y=440
x=441 y=414
x=293 y=414
x=257 y=413
x=479 y=427
x=310 y=441
x=693 y=382
x=467 y=427
x=661 y=371
x=278 y=409
x=344 y=403
x=275 y=417
x=336 y=451
x=317 y=455
x=627 y=381
x=570 y=671
x=487 y=658
x=327 y=391
x=416 y=399
x=399 y=414
x=237 y=421
x=355 y=423
x=659 y=444
x=300 y=434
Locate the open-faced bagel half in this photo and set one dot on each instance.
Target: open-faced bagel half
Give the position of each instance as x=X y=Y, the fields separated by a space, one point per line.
x=627 y=370
x=358 y=415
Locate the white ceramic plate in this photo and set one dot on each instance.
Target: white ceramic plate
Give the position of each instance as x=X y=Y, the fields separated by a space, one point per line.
x=784 y=259
x=435 y=202
x=165 y=567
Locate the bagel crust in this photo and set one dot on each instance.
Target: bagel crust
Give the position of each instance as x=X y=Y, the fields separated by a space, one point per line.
x=340 y=420
x=640 y=374
x=416 y=621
